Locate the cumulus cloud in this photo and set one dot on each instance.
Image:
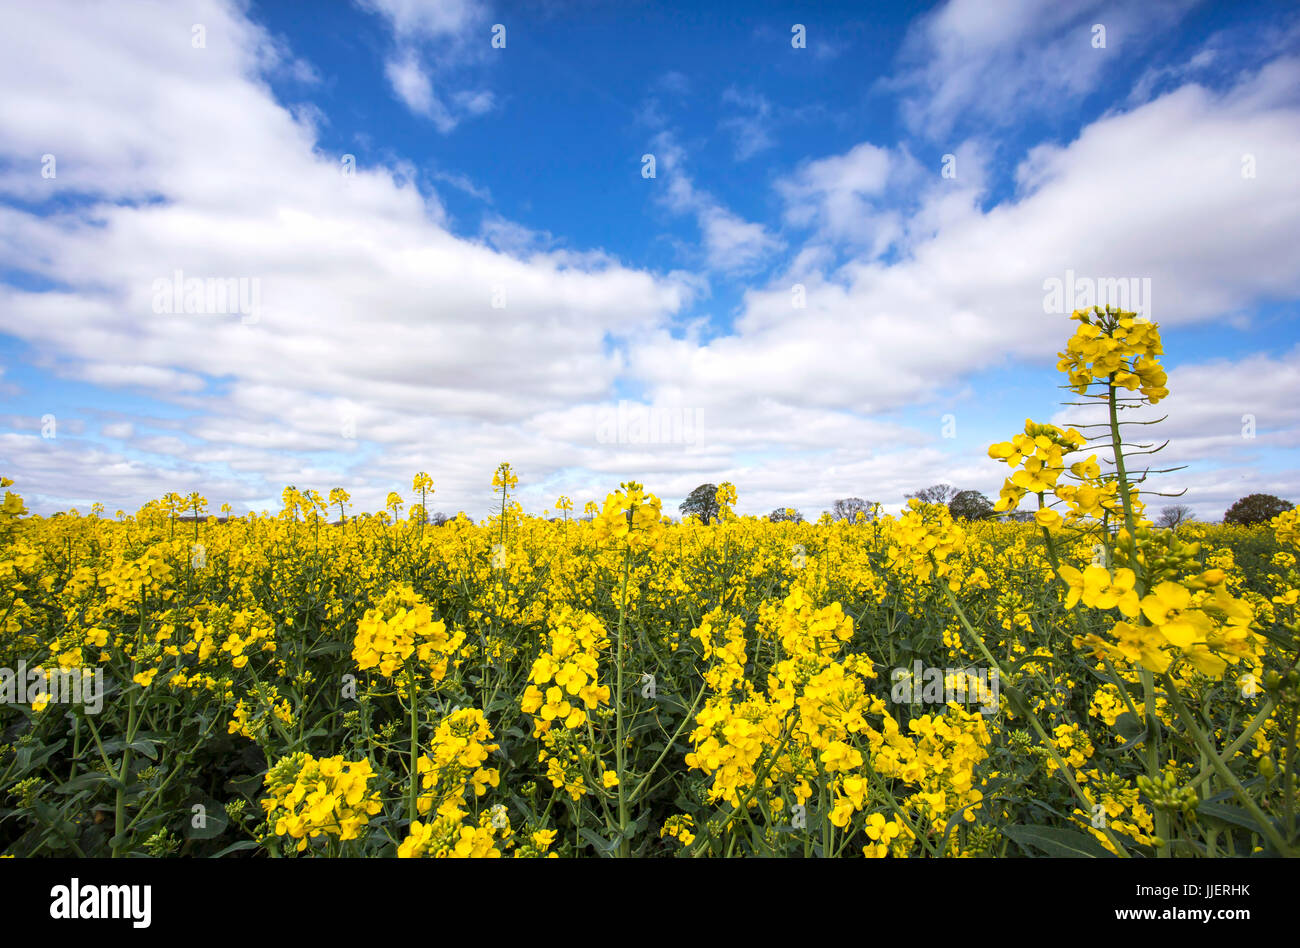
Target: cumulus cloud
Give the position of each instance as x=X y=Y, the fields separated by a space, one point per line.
x=367 y=304
x=385 y=344
x=967 y=294
x=853 y=197
x=1242 y=414
x=1177 y=211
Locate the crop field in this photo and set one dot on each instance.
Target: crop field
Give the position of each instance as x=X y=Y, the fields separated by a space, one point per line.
x=324 y=682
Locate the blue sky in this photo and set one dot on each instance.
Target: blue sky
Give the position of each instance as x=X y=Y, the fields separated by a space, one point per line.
x=450 y=254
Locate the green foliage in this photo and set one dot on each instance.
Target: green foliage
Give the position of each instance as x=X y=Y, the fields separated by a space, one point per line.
x=701 y=502
x=1256 y=508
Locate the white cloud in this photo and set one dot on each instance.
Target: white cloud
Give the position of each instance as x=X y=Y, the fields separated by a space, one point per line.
x=843 y=196
x=366 y=300
x=1239 y=414
x=968 y=61
x=752 y=125
x=967 y=294
x=730 y=242
x=427 y=19
x=412 y=84
x=378 y=351
x=435 y=36
x=463 y=183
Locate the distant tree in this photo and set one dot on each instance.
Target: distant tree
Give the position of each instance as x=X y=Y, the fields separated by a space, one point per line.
x=702 y=502
x=852 y=509
x=935 y=494
x=784 y=514
x=1174 y=516
x=1019 y=516
x=1256 y=508
x=970 y=505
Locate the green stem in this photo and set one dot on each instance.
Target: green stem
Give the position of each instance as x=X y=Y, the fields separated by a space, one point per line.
x=1266 y=826
x=636 y=793
x=1231 y=751
x=623 y=847
x=1152 y=747
x=119 y=804
x=1033 y=718
x=413 y=692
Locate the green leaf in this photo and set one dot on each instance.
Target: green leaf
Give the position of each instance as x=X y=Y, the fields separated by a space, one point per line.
x=1131 y=727
x=602 y=845
x=1234 y=815
x=215 y=820
x=240 y=846
x=331 y=648
x=82 y=782
x=1018 y=703
x=145 y=747
x=1055 y=841
x=30 y=757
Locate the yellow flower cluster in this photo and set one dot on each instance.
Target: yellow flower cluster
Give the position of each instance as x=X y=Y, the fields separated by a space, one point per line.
x=454 y=768
x=1073 y=744
x=923 y=539
x=1207 y=626
x=736 y=733
x=1286 y=527
x=402 y=626
x=723 y=642
x=450 y=835
x=253 y=715
x=11 y=510
x=679 y=826
x=243 y=630
x=729 y=738
x=631 y=516
x=1037 y=457
x=725 y=498
x=1114 y=346
x=308 y=798
x=1120 y=809
x=504 y=478
x=938 y=756
x=568 y=671
x=564 y=686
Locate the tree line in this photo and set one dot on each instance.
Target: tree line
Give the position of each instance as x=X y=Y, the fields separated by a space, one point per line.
x=973 y=505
